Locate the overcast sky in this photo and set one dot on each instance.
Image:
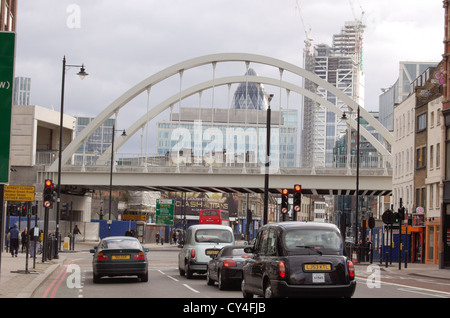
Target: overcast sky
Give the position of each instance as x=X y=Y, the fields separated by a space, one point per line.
x=123 y=42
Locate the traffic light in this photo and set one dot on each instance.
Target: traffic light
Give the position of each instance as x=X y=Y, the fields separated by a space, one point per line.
x=401 y=213
x=396 y=217
x=297 y=197
x=284 y=201
x=13 y=210
x=23 y=210
x=388 y=217
x=65 y=209
x=48 y=193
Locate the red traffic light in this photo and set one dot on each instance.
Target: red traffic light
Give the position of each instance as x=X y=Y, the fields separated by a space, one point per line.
x=284 y=192
x=297 y=188
x=48 y=193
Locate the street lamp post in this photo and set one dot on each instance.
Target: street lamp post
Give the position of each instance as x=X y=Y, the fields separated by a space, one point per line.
x=82 y=74
x=267 y=164
x=355 y=226
x=111 y=175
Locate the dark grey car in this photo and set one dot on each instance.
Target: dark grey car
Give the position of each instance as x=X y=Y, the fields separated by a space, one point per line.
x=120 y=256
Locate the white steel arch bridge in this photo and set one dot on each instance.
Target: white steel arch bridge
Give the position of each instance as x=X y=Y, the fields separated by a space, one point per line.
x=224 y=178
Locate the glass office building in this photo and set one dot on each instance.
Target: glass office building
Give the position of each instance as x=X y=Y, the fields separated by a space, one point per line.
x=239 y=132
x=341 y=65
x=96 y=144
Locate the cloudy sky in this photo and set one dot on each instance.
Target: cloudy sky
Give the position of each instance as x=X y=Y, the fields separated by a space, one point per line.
x=123 y=42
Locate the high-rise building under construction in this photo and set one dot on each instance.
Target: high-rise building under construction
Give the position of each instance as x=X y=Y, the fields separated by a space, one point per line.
x=341 y=65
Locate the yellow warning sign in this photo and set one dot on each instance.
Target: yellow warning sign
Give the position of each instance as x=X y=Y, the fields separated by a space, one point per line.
x=19 y=193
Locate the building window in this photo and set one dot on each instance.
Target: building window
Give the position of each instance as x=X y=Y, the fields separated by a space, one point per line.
x=431 y=201
x=438 y=155
x=421 y=122
x=431 y=156
x=421 y=154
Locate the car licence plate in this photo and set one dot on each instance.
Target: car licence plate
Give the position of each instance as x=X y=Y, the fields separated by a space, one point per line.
x=318 y=278
x=212 y=252
x=317 y=267
x=118 y=257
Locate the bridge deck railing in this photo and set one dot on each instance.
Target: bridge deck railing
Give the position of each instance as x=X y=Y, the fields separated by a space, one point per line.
x=375 y=164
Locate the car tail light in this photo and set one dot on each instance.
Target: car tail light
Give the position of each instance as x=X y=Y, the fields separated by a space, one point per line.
x=351 y=269
x=281 y=269
x=229 y=263
x=102 y=257
x=139 y=257
x=193 y=253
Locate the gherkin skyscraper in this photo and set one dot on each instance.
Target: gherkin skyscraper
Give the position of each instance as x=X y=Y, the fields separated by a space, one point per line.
x=255 y=93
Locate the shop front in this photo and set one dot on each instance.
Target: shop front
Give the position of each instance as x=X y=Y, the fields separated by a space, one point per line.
x=432 y=234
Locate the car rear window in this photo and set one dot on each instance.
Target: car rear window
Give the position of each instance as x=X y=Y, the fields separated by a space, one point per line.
x=319 y=239
x=120 y=243
x=213 y=236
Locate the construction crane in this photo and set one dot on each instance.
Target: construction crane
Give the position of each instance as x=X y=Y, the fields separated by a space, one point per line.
x=308 y=38
x=354 y=13
x=358 y=28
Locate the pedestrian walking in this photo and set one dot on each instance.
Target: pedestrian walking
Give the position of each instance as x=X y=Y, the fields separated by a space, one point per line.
x=76 y=231
x=24 y=238
x=34 y=241
x=8 y=235
x=157 y=237
x=174 y=237
x=14 y=240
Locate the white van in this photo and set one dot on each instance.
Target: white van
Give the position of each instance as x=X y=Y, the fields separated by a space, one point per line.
x=201 y=242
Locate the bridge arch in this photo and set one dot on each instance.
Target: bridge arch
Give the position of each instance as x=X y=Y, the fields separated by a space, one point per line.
x=146 y=85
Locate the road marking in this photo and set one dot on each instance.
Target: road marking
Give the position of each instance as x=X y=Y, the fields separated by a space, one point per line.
x=411 y=287
x=189 y=287
x=173 y=278
x=418 y=292
x=62 y=274
x=176 y=280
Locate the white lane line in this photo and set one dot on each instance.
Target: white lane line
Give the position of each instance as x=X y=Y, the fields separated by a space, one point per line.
x=413 y=287
x=189 y=287
x=422 y=293
x=173 y=278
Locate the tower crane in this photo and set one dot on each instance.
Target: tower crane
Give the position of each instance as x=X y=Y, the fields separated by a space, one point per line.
x=308 y=38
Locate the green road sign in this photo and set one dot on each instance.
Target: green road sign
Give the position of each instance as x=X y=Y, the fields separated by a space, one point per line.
x=165 y=211
x=7 y=45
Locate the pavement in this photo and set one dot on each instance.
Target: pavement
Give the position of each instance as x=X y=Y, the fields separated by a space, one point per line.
x=16 y=282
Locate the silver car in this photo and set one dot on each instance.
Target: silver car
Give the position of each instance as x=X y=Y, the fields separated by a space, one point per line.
x=201 y=242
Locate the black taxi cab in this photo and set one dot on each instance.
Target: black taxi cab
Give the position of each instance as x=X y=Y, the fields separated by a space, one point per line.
x=298 y=259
